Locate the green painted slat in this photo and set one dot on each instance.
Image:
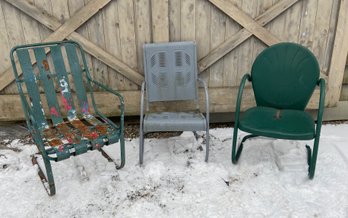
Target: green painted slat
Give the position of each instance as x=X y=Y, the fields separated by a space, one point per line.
x=31 y=84
x=47 y=79
x=77 y=76
x=63 y=81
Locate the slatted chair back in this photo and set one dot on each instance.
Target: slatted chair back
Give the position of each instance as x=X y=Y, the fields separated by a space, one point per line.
x=170 y=71
x=59 y=69
x=284 y=76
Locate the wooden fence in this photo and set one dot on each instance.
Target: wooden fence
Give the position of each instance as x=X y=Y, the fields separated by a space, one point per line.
x=229 y=35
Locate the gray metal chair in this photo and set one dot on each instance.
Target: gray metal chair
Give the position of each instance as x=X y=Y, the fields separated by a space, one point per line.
x=171 y=75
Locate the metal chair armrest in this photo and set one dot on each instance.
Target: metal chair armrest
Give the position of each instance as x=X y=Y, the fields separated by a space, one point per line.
x=240 y=95
x=120 y=97
x=206 y=98
x=321 y=84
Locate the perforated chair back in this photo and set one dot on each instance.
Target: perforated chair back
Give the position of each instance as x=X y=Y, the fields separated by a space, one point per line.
x=170 y=71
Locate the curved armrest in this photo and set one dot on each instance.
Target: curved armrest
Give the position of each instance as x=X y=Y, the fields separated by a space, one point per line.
x=240 y=95
x=321 y=84
x=206 y=98
x=115 y=93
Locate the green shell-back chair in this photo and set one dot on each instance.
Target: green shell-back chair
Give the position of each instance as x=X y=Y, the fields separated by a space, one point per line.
x=61 y=67
x=283 y=79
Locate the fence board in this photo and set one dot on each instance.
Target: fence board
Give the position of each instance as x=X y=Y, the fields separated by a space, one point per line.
x=115 y=35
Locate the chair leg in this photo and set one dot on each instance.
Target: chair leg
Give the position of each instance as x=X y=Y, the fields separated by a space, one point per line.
x=122 y=150
x=123 y=156
x=207 y=139
x=234 y=143
x=312 y=157
x=236 y=154
x=141 y=146
x=47 y=182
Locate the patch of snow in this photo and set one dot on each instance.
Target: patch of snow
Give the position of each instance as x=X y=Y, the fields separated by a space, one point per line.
x=270 y=180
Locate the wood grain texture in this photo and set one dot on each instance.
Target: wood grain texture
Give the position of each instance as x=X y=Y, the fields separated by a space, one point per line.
x=90 y=47
x=107 y=103
x=246 y=21
x=160 y=20
x=339 y=55
x=235 y=40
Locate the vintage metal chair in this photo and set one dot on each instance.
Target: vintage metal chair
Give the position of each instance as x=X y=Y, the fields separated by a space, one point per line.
x=283 y=79
x=171 y=75
x=62 y=64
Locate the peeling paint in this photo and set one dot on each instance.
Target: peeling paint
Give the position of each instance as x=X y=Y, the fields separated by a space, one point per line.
x=63 y=85
x=54 y=112
x=85 y=108
x=66 y=105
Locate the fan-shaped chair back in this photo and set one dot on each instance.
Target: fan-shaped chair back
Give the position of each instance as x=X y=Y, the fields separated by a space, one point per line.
x=284 y=76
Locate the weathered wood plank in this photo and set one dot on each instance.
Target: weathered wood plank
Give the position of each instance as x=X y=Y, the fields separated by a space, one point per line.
x=113 y=42
x=45 y=6
x=321 y=31
x=10 y=109
x=127 y=37
x=187 y=23
x=90 y=47
x=203 y=24
x=142 y=29
x=174 y=20
x=339 y=56
x=160 y=20
x=331 y=36
x=217 y=36
x=4 y=44
x=243 y=35
x=15 y=36
x=95 y=27
x=246 y=21
x=76 y=20
x=244 y=62
x=231 y=59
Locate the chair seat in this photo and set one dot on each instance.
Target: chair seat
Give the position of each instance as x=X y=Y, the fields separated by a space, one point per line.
x=282 y=124
x=174 y=121
x=80 y=135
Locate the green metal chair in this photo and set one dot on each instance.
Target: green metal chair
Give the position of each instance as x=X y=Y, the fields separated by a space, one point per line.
x=62 y=65
x=283 y=79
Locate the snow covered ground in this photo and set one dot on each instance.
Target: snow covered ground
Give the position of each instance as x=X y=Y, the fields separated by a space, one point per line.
x=269 y=181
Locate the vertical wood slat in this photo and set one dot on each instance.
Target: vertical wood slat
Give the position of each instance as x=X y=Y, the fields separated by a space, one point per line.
x=47 y=78
x=31 y=84
x=95 y=29
x=142 y=28
x=174 y=20
x=217 y=36
x=331 y=36
x=63 y=81
x=112 y=36
x=320 y=34
x=160 y=20
x=202 y=24
x=187 y=23
x=127 y=38
x=339 y=56
x=15 y=36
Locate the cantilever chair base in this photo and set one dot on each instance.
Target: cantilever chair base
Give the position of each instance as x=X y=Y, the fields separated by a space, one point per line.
x=59 y=137
x=171 y=75
x=282 y=91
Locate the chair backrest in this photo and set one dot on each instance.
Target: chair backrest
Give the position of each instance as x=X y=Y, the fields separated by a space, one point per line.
x=58 y=68
x=284 y=76
x=170 y=71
